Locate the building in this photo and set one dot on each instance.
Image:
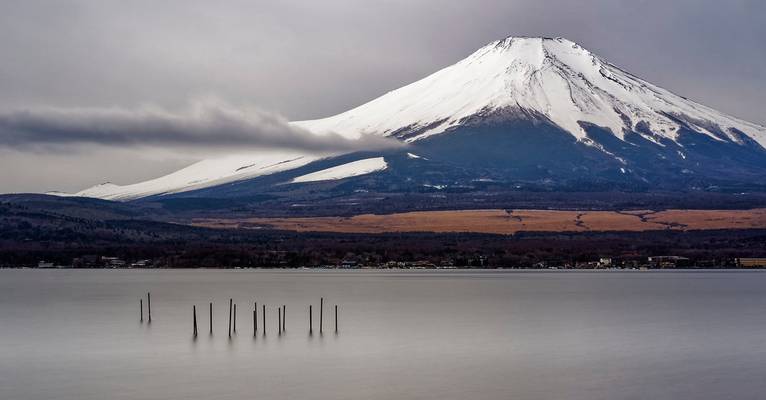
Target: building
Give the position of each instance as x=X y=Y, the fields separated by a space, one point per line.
x=141 y=264
x=349 y=264
x=422 y=265
x=605 y=262
x=112 y=262
x=751 y=262
x=668 y=261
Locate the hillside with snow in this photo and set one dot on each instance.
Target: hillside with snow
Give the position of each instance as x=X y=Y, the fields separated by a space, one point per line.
x=348 y=170
x=205 y=173
x=517 y=112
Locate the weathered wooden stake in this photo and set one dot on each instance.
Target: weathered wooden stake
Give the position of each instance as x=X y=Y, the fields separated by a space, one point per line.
x=321 y=306
x=141 y=305
x=230 y=305
x=279 y=320
x=149 y=305
x=311 y=325
x=211 y=317
x=255 y=318
x=284 y=318
x=235 y=318
x=263 y=311
x=194 y=311
x=336 y=318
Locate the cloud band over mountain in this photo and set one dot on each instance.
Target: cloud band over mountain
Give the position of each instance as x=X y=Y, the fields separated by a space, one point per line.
x=207 y=124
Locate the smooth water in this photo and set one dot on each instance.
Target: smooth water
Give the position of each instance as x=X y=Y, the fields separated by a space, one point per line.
x=75 y=334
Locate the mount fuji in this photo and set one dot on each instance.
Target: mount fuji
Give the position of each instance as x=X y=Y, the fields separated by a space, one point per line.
x=518 y=114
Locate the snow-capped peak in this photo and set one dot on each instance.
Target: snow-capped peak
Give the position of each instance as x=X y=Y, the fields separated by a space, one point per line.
x=552 y=77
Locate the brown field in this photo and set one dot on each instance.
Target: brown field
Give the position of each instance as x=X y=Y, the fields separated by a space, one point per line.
x=508 y=222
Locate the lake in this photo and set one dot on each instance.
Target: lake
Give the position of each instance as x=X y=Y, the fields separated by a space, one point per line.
x=76 y=334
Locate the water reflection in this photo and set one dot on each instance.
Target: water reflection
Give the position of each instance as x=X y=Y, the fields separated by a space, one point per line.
x=478 y=335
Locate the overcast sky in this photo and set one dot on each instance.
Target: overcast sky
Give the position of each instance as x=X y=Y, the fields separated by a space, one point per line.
x=309 y=59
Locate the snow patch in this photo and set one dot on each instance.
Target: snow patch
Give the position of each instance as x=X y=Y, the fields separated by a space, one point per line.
x=437 y=187
x=356 y=168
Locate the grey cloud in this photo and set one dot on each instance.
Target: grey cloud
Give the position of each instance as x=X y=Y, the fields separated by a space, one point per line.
x=207 y=125
x=310 y=59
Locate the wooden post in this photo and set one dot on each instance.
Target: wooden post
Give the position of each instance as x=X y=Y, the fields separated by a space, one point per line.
x=284 y=318
x=279 y=320
x=230 y=305
x=311 y=325
x=194 y=311
x=235 y=318
x=321 y=306
x=149 y=305
x=336 y=318
x=211 y=317
x=141 y=307
x=263 y=311
x=255 y=318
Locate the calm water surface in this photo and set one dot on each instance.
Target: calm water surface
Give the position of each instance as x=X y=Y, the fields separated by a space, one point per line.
x=403 y=335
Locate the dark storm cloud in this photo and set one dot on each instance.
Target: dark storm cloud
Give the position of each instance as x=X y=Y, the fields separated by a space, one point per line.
x=207 y=125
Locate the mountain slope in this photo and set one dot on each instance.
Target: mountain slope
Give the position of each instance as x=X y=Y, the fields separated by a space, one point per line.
x=206 y=173
x=518 y=112
x=555 y=78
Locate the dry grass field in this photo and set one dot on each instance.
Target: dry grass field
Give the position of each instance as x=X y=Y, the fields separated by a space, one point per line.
x=508 y=221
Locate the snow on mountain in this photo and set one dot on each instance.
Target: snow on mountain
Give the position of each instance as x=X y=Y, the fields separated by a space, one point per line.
x=355 y=168
x=555 y=78
x=205 y=173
